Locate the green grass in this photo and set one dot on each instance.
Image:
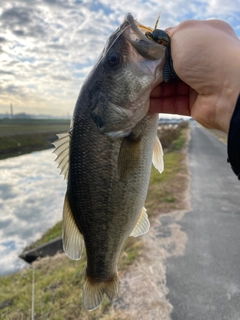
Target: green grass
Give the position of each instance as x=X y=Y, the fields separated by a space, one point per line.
x=59 y=280
x=165 y=188
x=58 y=288
x=19 y=136
x=171 y=161
x=51 y=234
x=161 y=193
x=170 y=198
x=20 y=141
x=178 y=143
x=10 y=127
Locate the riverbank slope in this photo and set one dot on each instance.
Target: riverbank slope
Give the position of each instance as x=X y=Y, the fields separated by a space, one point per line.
x=20 y=136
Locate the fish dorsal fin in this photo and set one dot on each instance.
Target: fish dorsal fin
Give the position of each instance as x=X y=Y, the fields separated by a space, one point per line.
x=62 y=152
x=72 y=238
x=142 y=226
x=157 y=158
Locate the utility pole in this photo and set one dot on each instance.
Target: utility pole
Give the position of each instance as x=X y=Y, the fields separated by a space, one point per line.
x=11 y=111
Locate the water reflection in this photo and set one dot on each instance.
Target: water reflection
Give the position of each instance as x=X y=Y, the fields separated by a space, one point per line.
x=31 y=199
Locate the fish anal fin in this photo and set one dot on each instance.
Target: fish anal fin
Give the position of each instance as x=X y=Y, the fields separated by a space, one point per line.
x=129 y=156
x=142 y=226
x=72 y=238
x=62 y=152
x=157 y=158
x=93 y=291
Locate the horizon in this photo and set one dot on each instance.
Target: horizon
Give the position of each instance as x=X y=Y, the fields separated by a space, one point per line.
x=33 y=116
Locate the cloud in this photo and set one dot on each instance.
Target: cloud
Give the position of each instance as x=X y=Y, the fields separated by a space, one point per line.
x=2 y=39
x=17 y=16
x=47 y=47
x=4 y=222
x=6 y=191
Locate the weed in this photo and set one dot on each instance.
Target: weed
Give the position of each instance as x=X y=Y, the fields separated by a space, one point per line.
x=170 y=199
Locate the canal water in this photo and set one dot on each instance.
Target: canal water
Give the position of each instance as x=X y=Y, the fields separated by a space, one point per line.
x=31 y=200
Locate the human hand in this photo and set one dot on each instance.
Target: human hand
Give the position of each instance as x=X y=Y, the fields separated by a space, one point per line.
x=206 y=57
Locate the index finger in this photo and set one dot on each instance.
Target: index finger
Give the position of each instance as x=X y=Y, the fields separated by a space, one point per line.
x=170 y=98
x=171 y=89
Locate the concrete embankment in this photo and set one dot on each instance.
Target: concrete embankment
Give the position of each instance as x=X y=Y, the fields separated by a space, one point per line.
x=48 y=249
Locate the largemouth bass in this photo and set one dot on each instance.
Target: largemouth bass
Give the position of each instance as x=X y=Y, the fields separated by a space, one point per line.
x=106 y=157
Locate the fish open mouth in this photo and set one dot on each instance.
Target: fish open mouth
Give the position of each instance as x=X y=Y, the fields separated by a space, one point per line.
x=138 y=28
x=135 y=33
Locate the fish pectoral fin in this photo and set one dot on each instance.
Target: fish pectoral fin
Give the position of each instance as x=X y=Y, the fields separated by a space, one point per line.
x=142 y=226
x=62 y=152
x=157 y=158
x=93 y=291
x=129 y=156
x=71 y=236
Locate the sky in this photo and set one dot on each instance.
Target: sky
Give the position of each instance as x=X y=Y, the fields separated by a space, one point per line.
x=47 y=47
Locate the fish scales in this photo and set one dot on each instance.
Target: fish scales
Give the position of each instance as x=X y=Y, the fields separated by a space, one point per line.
x=112 y=144
x=96 y=190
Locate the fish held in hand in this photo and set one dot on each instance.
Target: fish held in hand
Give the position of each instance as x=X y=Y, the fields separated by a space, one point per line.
x=106 y=157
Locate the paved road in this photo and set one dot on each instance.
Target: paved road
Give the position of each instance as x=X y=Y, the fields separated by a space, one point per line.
x=204 y=284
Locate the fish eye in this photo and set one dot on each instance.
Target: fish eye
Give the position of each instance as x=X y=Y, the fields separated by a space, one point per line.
x=113 y=58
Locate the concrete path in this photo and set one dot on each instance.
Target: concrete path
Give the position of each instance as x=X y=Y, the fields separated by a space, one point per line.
x=204 y=283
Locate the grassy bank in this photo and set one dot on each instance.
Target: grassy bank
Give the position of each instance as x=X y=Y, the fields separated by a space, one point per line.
x=19 y=136
x=59 y=280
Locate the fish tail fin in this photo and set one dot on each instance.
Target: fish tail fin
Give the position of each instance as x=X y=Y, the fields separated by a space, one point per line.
x=93 y=291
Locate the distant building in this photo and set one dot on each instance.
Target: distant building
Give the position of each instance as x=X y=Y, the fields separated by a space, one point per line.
x=22 y=115
x=4 y=116
x=170 y=120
